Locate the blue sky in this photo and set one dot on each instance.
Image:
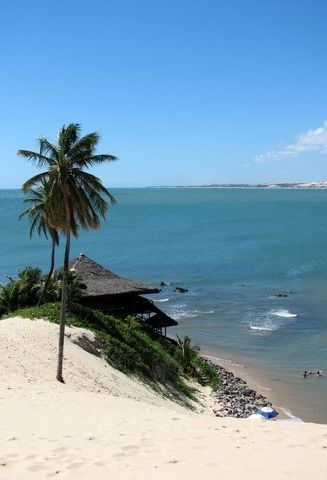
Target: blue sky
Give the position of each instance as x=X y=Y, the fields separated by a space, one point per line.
x=183 y=92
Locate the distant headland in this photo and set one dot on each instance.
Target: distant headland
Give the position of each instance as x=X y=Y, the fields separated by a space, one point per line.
x=307 y=185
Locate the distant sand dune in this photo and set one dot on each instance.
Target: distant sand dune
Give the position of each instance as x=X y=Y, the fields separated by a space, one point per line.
x=103 y=425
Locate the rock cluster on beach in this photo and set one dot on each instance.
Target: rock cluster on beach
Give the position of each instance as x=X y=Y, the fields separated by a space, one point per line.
x=234 y=397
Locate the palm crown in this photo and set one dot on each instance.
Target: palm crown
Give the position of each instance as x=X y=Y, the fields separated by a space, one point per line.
x=75 y=196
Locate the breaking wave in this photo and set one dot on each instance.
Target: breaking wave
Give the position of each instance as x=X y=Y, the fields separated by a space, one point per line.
x=270 y=321
x=283 y=313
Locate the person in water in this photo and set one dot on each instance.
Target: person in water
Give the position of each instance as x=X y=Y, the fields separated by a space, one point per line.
x=305 y=374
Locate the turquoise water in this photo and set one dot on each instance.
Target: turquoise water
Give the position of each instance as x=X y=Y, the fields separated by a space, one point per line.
x=234 y=250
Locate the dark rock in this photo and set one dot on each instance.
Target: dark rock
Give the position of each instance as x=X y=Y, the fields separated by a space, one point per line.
x=181 y=290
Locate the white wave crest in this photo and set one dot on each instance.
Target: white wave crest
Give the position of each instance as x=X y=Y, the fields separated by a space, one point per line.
x=161 y=300
x=264 y=328
x=283 y=313
x=177 y=316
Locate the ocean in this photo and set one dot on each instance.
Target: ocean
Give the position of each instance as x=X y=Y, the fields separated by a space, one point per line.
x=254 y=262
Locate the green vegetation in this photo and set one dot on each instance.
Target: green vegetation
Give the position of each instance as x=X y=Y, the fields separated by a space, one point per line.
x=69 y=197
x=22 y=292
x=25 y=290
x=185 y=353
x=126 y=347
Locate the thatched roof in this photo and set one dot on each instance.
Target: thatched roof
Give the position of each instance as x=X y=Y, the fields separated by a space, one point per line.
x=101 y=282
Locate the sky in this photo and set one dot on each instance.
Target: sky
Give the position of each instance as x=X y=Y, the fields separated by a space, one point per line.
x=183 y=92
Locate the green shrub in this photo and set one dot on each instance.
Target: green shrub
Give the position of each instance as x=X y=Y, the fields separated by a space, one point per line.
x=22 y=292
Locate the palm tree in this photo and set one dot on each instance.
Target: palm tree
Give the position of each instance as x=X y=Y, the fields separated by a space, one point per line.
x=40 y=217
x=76 y=197
x=186 y=352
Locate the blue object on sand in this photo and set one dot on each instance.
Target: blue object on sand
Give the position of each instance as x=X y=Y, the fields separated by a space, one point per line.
x=267 y=412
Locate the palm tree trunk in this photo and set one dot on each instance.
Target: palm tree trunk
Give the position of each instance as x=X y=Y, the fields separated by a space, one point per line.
x=63 y=309
x=49 y=274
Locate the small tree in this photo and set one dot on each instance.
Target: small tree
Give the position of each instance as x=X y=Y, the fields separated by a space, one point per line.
x=186 y=353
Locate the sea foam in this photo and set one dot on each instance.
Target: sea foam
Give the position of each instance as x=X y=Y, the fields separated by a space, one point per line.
x=283 y=313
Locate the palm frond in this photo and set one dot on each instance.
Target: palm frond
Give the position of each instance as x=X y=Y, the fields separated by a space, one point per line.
x=36 y=180
x=68 y=136
x=39 y=159
x=48 y=150
x=93 y=182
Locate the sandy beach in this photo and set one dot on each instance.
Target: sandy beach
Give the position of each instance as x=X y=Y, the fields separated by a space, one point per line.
x=102 y=424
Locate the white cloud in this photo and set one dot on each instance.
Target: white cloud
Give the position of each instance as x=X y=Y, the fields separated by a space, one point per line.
x=314 y=140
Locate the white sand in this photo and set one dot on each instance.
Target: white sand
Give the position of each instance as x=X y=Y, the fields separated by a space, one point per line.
x=103 y=425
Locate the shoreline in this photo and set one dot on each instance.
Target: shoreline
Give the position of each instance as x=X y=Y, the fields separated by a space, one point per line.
x=291 y=400
x=238 y=376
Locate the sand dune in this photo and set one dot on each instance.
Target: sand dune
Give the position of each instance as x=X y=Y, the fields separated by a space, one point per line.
x=102 y=424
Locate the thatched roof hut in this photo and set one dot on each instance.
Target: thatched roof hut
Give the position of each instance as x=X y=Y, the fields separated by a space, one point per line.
x=100 y=282
x=118 y=295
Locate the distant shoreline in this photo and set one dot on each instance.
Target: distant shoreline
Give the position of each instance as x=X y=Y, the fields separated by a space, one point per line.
x=269 y=186
x=248 y=186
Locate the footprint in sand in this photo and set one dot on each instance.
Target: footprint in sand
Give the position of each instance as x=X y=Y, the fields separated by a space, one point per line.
x=37 y=467
x=76 y=465
x=59 y=450
x=30 y=457
x=130 y=447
